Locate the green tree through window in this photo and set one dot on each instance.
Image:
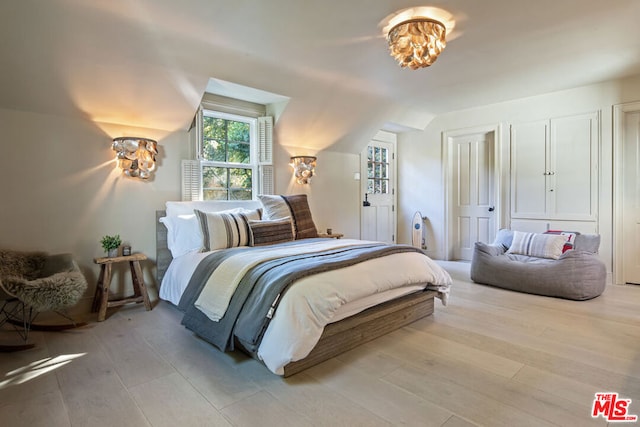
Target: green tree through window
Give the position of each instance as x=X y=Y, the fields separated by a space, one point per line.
x=227 y=168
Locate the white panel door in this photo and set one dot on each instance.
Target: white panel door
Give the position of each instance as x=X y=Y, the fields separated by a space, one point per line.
x=473 y=192
x=378 y=172
x=631 y=200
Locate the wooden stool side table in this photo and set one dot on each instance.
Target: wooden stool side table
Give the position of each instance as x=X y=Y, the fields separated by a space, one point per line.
x=101 y=298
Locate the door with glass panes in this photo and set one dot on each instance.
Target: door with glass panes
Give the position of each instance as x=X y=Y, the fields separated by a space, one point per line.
x=378 y=185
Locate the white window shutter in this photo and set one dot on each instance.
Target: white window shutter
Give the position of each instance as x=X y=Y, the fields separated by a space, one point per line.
x=266 y=179
x=265 y=155
x=199 y=132
x=191 y=180
x=265 y=140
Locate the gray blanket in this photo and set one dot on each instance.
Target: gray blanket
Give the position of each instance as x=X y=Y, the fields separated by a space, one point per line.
x=259 y=291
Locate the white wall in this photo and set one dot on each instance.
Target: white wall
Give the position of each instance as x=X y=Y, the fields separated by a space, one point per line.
x=420 y=154
x=334 y=196
x=61 y=191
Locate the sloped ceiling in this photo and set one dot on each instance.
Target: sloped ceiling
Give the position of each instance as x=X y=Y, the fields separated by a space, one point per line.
x=146 y=63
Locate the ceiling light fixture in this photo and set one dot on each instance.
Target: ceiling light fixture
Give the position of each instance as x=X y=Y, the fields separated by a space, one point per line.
x=417 y=35
x=417 y=42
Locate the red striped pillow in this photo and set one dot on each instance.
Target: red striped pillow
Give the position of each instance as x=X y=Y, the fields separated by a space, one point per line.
x=571 y=238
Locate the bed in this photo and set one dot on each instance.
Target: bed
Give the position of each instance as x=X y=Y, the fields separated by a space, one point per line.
x=333 y=295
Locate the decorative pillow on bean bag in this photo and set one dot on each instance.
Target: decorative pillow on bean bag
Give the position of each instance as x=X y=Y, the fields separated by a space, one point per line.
x=571 y=238
x=537 y=244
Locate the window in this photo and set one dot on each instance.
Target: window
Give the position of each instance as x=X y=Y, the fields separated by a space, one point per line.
x=227 y=156
x=232 y=155
x=377 y=170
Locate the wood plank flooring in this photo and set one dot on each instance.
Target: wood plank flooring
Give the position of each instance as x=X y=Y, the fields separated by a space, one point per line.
x=490 y=358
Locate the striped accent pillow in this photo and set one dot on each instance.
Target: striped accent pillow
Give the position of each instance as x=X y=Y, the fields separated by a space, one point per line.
x=225 y=230
x=302 y=220
x=269 y=232
x=537 y=245
x=296 y=207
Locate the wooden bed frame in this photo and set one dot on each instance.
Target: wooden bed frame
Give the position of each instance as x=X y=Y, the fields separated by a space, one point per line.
x=340 y=336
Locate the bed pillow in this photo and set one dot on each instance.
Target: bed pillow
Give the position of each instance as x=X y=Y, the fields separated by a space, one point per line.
x=268 y=232
x=174 y=208
x=274 y=207
x=222 y=230
x=296 y=207
x=184 y=234
x=537 y=244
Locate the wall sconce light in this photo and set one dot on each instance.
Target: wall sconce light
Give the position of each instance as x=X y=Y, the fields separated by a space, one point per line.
x=303 y=168
x=136 y=156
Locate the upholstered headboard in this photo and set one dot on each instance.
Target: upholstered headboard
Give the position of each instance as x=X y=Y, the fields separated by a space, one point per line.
x=163 y=254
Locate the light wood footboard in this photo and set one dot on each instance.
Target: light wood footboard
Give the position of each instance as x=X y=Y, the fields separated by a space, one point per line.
x=365 y=326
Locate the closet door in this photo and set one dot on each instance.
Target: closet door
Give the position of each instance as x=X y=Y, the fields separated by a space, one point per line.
x=573 y=167
x=554 y=169
x=529 y=146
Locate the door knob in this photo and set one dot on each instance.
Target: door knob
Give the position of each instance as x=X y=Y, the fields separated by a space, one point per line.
x=492 y=208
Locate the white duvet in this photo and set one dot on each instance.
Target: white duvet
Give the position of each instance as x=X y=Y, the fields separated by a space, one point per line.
x=318 y=300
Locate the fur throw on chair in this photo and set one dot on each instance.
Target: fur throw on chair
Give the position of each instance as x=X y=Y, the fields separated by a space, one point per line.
x=21 y=276
x=57 y=292
x=21 y=264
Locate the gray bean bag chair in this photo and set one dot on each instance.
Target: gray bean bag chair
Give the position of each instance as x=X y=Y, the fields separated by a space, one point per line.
x=577 y=274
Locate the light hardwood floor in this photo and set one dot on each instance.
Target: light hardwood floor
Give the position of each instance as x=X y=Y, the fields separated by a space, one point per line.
x=490 y=358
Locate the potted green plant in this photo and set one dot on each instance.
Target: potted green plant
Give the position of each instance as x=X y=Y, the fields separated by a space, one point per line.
x=110 y=244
